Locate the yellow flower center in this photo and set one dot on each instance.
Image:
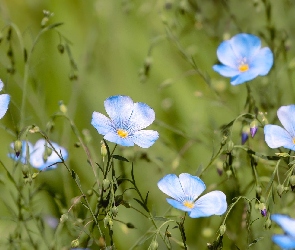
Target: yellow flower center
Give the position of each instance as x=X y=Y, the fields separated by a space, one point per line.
x=122 y=133
x=293 y=140
x=188 y=204
x=243 y=67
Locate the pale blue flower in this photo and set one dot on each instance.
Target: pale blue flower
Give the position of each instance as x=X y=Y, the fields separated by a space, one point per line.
x=185 y=192
x=127 y=119
x=276 y=136
x=36 y=154
x=243 y=59
x=4 y=101
x=285 y=241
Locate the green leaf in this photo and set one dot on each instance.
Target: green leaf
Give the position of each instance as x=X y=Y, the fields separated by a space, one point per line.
x=120 y=158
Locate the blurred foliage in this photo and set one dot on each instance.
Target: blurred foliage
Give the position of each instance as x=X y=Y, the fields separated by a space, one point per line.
x=160 y=53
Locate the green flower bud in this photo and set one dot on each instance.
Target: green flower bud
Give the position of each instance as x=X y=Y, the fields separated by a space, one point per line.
x=114 y=211
x=25 y=169
x=230 y=145
x=89 y=192
x=222 y=229
x=106 y=221
x=75 y=243
x=292 y=180
x=17 y=147
x=34 y=129
x=267 y=224
x=62 y=107
x=258 y=190
x=280 y=190
x=130 y=225
x=229 y=173
x=64 y=217
x=34 y=175
x=61 y=48
x=103 y=149
x=105 y=184
x=154 y=245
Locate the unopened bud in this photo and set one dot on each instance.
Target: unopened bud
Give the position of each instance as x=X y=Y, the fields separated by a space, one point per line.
x=25 y=169
x=105 y=184
x=17 y=147
x=114 y=211
x=292 y=181
x=103 y=149
x=62 y=107
x=230 y=145
x=75 y=243
x=245 y=134
x=280 y=190
x=61 y=48
x=34 y=175
x=262 y=209
x=34 y=129
x=253 y=127
x=222 y=229
x=118 y=199
x=44 y=21
x=267 y=224
x=89 y=192
x=64 y=217
x=229 y=173
x=154 y=245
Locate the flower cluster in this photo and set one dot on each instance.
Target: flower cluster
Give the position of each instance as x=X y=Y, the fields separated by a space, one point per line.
x=41 y=155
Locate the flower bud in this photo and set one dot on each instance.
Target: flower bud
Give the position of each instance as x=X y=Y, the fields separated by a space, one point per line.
x=103 y=149
x=64 y=217
x=230 y=145
x=105 y=184
x=61 y=48
x=262 y=209
x=267 y=224
x=245 y=134
x=44 y=21
x=229 y=173
x=222 y=229
x=25 y=169
x=118 y=199
x=114 y=211
x=106 y=220
x=34 y=129
x=89 y=192
x=75 y=243
x=34 y=175
x=280 y=190
x=62 y=107
x=253 y=127
x=292 y=181
x=258 y=191
x=17 y=147
x=154 y=245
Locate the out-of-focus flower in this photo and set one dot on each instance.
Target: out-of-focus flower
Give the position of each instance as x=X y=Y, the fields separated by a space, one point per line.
x=41 y=155
x=243 y=59
x=276 y=136
x=127 y=119
x=185 y=191
x=4 y=101
x=287 y=240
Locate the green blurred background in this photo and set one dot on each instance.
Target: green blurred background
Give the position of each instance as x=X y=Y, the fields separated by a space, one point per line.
x=160 y=53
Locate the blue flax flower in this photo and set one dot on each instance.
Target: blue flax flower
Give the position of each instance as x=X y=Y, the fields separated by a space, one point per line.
x=287 y=240
x=127 y=119
x=243 y=59
x=4 y=101
x=36 y=154
x=276 y=136
x=185 y=191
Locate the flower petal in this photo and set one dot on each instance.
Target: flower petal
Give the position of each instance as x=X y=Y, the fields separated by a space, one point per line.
x=285 y=222
x=102 y=124
x=209 y=204
x=36 y=158
x=192 y=186
x=245 y=45
x=262 y=61
x=178 y=205
x=244 y=77
x=4 y=101
x=284 y=241
x=226 y=54
x=276 y=137
x=115 y=138
x=145 y=138
x=141 y=117
x=170 y=185
x=286 y=115
x=119 y=109
x=225 y=70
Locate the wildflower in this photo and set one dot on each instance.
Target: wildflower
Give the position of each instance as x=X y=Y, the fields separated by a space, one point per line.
x=185 y=191
x=127 y=119
x=41 y=155
x=276 y=136
x=4 y=101
x=287 y=240
x=243 y=59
